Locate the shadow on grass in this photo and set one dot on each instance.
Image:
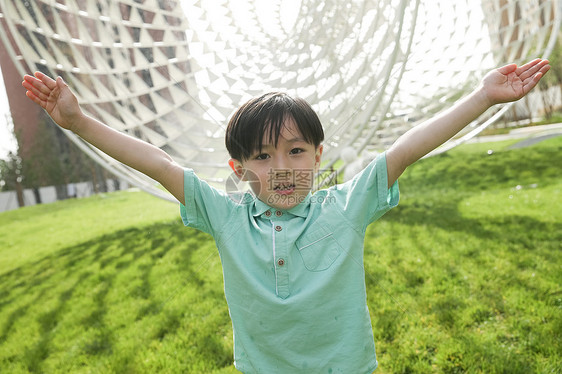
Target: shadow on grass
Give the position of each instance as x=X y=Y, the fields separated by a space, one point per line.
x=475 y=172
x=516 y=231
x=435 y=222
x=40 y=300
x=456 y=275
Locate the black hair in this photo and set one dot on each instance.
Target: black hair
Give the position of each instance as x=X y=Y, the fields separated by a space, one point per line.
x=264 y=116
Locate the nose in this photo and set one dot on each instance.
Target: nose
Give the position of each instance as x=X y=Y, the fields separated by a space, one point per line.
x=281 y=166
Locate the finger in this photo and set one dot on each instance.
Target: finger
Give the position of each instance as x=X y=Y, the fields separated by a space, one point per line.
x=36 y=85
x=531 y=84
x=534 y=80
x=533 y=69
x=30 y=87
x=48 y=81
x=544 y=69
x=521 y=69
x=61 y=83
x=35 y=99
x=528 y=65
x=31 y=79
x=532 y=74
x=507 y=69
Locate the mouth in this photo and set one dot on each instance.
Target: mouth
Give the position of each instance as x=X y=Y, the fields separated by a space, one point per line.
x=284 y=189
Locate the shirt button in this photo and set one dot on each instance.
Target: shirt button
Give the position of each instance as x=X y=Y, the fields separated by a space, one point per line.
x=268 y=213
x=278 y=228
x=279 y=213
x=280 y=262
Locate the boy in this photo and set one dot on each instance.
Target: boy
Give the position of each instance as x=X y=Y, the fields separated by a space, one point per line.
x=295 y=286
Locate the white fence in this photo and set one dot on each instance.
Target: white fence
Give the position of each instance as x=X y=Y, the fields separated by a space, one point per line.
x=9 y=199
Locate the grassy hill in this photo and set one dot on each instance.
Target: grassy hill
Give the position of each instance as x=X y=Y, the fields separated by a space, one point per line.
x=465 y=275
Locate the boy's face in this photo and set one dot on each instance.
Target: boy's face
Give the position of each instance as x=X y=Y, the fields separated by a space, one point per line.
x=281 y=176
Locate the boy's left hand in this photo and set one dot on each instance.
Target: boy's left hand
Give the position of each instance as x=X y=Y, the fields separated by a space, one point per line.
x=510 y=83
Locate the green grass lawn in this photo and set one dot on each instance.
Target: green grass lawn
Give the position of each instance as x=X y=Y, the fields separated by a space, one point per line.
x=465 y=275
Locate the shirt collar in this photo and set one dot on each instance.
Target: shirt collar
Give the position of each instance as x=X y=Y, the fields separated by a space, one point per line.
x=300 y=210
x=259 y=207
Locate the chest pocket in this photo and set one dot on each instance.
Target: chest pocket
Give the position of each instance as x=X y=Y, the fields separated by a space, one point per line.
x=319 y=249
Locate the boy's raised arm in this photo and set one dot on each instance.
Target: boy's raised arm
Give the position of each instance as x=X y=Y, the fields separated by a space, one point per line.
x=61 y=104
x=505 y=84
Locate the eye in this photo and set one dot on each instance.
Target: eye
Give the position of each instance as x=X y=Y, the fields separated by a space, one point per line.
x=262 y=156
x=296 y=151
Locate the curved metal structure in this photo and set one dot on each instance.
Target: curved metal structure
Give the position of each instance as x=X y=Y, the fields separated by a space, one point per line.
x=173 y=72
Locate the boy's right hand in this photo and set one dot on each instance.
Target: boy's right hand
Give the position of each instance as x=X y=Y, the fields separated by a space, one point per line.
x=55 y=97
x=61 y=104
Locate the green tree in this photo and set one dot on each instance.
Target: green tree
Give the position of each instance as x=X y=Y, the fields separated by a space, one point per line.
x=51 y=159
x=42 y=163
x=11 y=177
x=553 y=78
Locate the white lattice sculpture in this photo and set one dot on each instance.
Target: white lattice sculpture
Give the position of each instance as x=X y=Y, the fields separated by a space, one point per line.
x=172 y=72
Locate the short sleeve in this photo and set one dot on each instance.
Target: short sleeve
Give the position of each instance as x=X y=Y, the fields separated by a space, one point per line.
x=366 y=197
x=205 y=208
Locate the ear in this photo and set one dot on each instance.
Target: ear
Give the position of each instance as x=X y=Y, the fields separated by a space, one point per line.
x=318 y=156
x=237 y=168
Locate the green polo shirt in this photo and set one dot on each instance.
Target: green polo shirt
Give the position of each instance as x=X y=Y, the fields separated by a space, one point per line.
x=294 y=280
